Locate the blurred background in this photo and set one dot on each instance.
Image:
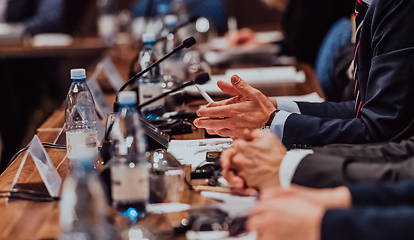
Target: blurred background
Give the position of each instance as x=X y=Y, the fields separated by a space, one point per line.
x=34 y=64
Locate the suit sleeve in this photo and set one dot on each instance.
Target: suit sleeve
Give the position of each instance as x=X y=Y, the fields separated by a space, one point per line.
x=388 y=75
x=369 y=223
x=342 y=110
x=325 y=170
x=343 y=164
x=383 y=195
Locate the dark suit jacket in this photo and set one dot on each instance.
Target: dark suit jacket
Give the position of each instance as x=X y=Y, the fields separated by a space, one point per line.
x=39 y=16
x=341 y=164
x=379 y=212
x=386 y=82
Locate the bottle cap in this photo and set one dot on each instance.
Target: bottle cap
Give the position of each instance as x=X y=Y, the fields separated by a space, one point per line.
x=78 y=73
x=170 y=21
x=127 y=97
x=148 y=37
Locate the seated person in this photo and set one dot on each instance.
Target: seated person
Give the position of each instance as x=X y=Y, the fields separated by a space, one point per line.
x=213 y=10
x=358 y=212
x=384 y=85
x=305 y=24
x=260 y=161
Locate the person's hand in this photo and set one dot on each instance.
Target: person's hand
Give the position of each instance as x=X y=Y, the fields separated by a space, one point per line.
x=258 y=159
x=244 y=36
x=248 y=109
x=253 y=162
x=289 y=217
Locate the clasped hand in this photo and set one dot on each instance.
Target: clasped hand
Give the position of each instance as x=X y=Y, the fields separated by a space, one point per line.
x=253 y=162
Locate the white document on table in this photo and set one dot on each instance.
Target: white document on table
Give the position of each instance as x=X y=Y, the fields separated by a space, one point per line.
x=256 y=77
x=193 y=152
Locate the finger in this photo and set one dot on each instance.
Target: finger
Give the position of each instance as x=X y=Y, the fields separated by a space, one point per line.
x=259 y=133
x=245 y=89
x=215 y=112
x=227 y=88
x=211 y=131
x=233 y=180
x=247 y=134
x=245 y=191
x=225 y=132
x=213 y=123
x=226 y=156
x=223 y=102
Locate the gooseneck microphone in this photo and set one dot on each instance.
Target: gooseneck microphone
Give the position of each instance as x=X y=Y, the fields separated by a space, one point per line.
x=187 y=43
x=200 y=80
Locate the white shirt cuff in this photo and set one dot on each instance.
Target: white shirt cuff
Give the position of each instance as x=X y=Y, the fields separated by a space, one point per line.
x=278 y=123
x=288 y=106
x=289 y=164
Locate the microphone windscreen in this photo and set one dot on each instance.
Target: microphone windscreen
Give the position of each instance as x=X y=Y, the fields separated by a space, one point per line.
x=194 y=18
x=189 y=42
x=202 y=78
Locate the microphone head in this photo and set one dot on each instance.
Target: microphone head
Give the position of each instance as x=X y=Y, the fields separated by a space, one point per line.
x=202 y=78
x=193 y=18
x=189 y=42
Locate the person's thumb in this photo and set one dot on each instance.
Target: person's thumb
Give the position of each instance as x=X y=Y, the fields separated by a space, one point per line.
x=243 y=88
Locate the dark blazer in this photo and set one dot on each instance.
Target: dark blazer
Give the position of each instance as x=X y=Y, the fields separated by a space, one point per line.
x=385 y=73
x=341 y=164
x=379 y=212
x=39 y=16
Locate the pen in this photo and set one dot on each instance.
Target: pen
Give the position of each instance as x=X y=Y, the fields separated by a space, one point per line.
x=204 y=94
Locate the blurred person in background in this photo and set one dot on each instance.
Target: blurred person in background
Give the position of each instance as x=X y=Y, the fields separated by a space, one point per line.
x=27 y=82
x=214 y=10
x=304 y=23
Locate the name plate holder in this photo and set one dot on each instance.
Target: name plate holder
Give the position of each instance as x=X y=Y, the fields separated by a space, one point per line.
x=44 y=165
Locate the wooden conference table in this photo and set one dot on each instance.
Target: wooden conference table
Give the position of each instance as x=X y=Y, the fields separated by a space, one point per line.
x=40 y=220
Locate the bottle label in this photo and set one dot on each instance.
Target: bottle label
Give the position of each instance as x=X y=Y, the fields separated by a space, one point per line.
x=129 y=184
x=150 y=91
x=81 y=145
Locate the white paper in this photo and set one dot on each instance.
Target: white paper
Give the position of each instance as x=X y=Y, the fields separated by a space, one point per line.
x=193 y=152
x=256 y=77
x=311 y=97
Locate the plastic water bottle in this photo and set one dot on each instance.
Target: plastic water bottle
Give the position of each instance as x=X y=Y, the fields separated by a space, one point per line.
x=107 y=21
x=81 y=133
x=129 y=166
x=83 y=206
x=172 y=41
x=174 y=68
x=151 y=83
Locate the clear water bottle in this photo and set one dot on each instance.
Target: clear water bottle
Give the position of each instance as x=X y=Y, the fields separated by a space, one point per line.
x=107 y=21
x=172 y=41
x=83 y=206
x=129 y=166
x=151 y=83
x=80 y=115
x=174 y=69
